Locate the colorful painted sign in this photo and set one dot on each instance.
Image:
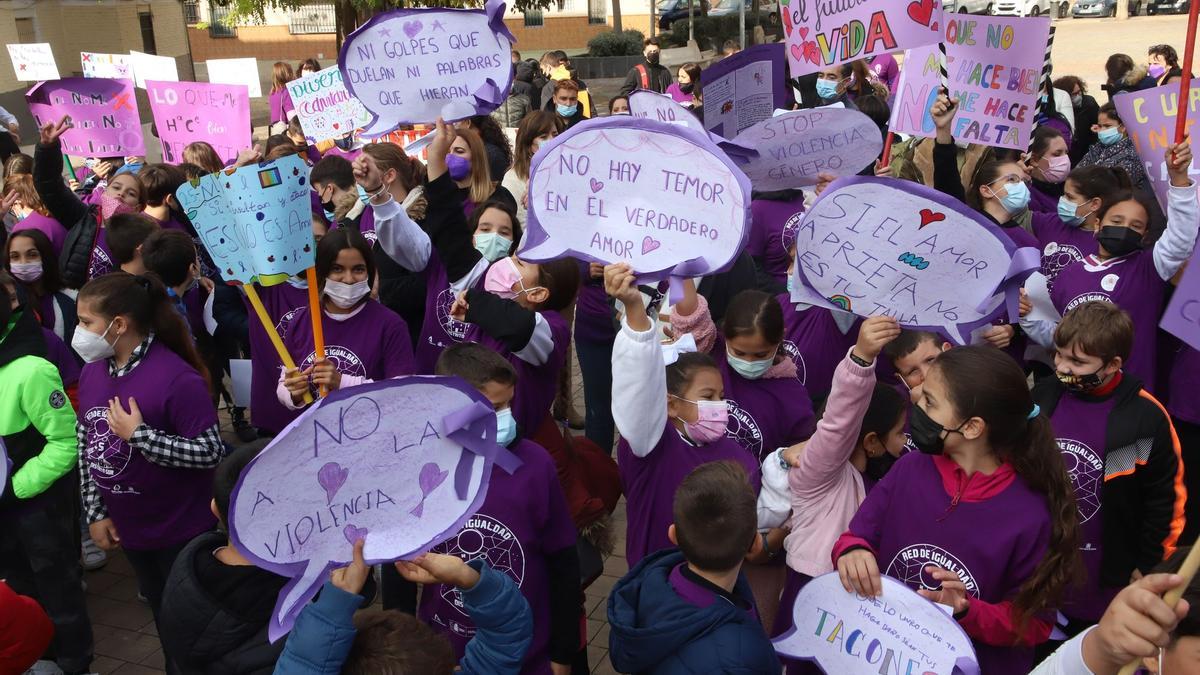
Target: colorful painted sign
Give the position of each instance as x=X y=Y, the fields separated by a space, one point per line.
x=185 y=112
x=103 y=112
x=112 y=66
x=822 y=34
x=33 y=62
x=1149 y=116
x=236 y=71
x=326 y=108
x=795 y=146
x=744 y=89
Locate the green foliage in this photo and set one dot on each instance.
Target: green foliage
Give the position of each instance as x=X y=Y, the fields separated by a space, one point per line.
x=713 y=31
x=612 y=43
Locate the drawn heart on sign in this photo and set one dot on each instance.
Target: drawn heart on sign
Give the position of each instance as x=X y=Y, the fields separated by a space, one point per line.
x=650 y=244
x=811 y=53
x=803 y=33
x=596 y=186
x=928 y=217
x=935 y=26
x=332 y=476
x=353 y=534
x=336 y=125
x=411 y=28
x=921 y=12
x=797 y=53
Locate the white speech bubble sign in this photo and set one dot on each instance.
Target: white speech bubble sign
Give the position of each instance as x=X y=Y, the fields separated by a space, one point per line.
x=795 y=146
x=653 y=105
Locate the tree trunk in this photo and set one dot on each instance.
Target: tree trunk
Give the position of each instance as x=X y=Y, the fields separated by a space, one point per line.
x=1122 y=9
x=616 y=15
x=347 y=20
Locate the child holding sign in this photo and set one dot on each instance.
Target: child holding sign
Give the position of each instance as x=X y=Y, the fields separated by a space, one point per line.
x=982 y=519
x=670 y=421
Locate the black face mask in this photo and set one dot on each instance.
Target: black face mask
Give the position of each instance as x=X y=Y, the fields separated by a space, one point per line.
x=926 y=433
x=652 y=59
x=1118 y=240
x=687 y=88
x=1081 y=383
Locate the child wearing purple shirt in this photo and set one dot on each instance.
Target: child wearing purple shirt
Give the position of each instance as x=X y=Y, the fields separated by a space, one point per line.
x=983 y=519
x=670 y=421
x=147 y=433
x=775 y=219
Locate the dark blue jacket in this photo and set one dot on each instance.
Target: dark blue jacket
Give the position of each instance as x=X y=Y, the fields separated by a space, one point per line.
x=324 y=631
x=654 y=630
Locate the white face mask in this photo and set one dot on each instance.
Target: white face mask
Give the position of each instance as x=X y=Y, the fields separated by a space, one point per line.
x=346 y=296
x=91 y=347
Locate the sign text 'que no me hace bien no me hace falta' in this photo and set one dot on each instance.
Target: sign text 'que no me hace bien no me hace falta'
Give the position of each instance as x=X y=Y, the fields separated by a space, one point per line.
x=411 y=66
x=400 y=464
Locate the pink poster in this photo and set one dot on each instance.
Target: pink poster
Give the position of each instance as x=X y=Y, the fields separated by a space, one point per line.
x=822 y=34
x=184 y=112
x=104 y=114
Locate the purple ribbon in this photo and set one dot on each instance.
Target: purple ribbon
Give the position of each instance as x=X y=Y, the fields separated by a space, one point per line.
x=469 y=428
x=495 y=14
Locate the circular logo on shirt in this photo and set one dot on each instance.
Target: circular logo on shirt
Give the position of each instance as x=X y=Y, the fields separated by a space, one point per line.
x=910 y=562
x=481 y=537
x=793 y=352
x=107 y=454
x=1087 y=297
x=57 y=399
x=345 y=361
x=284 y=321
x=791 y=228
x=743 y=429
x=1086 y=470
x=455 y=329
x=100 y=263
x=1055 y=258
x=1109 y=282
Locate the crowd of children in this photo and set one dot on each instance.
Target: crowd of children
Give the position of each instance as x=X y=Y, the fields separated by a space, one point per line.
x=1034 y=482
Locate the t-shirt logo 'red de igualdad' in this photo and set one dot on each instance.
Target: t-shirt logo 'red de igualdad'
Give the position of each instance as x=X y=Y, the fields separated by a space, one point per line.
x=910 y=562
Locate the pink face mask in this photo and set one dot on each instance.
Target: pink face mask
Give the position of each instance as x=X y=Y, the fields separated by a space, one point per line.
x=111 y=206
x=1057 y=169
x=501 y=277
x=711 y=422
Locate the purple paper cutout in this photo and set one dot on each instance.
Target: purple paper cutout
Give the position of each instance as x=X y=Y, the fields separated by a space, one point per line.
x=104 y=114
x=185 y=112
x=474 y=427
x=5 y=465
x=331 y=477
x=794 y=147
x=744 y=89
x=383 y=433
x=404 y=73
x=431 y=477
x=1153 y=131
x=1182 y=317
x=669 y=160
x=961 y=268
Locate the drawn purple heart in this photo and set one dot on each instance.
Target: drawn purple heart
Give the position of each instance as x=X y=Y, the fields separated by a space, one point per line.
x=353 y=534
x=596 y=186
x=431 y=476
x=411 y=28
x=650 y=244
x=332 y=476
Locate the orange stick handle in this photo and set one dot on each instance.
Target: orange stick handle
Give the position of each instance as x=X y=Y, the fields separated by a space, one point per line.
x=284 y=357
x=314 y=309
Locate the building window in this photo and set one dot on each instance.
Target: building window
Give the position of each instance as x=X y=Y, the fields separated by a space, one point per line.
x=191 y=12
x=597 y=11
x=534 y=18
x=26 y=31
x=146 y=22
x=219 y=24
x=316 y=17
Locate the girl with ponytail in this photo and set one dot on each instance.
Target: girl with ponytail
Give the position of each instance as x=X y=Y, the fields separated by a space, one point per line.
x=983 y=519
x=147 y=430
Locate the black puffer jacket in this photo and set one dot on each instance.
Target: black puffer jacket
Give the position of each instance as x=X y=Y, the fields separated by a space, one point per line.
x=198 y=630
x=82 y=221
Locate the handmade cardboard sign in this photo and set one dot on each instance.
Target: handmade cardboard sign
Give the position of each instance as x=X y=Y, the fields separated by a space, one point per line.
x=1149 y=117
x=33 y=62
x=743 y=89
x=659 y=196
x=879 y=246
x=326 y=108
x=236 y=71
x=256 y=221
x=410 y=66
x=648 y=104
x=795 y=146
x=896 y=632
x=823 y=34
x=103 y=112
x=113 y=66
x=994 y=64
x=152 y=67
x=1182 y=318
x=400 y=464
x=185 y=112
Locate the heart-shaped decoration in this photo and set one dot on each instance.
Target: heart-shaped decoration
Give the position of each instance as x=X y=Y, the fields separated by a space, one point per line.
x=353 y=534
x=431 y=477
x=336 y=125
x=921 y=11
x=935 y=27
x=811 y=53
x=650 y=244
x=411 y=28
x=803 y=33
x=332 y=476
x=928 y=217
x=596 y=186
x=797 y=53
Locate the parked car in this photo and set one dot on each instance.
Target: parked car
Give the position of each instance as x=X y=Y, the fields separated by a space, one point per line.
x=1086 y=8
x=670 y=11
x=1167 y=7
x=1030 y=7
x=769 y=9
x=968 y=6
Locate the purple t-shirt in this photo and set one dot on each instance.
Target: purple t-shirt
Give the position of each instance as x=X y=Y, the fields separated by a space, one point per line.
x=373 y=343
x=1185 y=373
x=649 y=484
x=1080 y=427
x=887 y=70
x=815 y=343
x=281 y=302
x=593 y=313
x=536 y=385
x=773 y=229
x=1132 y=283
x=153 y=506
x=438 y=330
x=101 y=260
x=280 y=102
x=523 y=519
x=1061 y=245
x=993 y=545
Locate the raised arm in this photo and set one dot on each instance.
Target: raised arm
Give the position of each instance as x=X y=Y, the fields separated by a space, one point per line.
x=400 y=238
x=640 y=412
x=63 y=204
x=1174 y=247
x=945 y=153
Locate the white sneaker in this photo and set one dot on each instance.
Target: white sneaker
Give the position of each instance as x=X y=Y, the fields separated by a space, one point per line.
x=93 y=558
x=44 y=667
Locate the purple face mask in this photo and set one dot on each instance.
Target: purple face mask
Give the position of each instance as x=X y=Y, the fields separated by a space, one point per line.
x=458 y=166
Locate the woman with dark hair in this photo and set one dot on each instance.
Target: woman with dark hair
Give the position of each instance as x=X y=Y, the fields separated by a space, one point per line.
x=1086 y=111
x=33 y=263
x=307 y=67
x=1125 y=75
x=686 y=87
x=1113 y=148
x=537 y=128
x=495 y=142
x=1163 y=64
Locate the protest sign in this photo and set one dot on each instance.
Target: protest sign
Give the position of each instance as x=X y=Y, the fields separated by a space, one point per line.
x=648 y=104
x=236 y=71
x=995 y=66
x=151 y=67
x=400 y=464
x=1182 y=317
x=879 y=246
x=186 y=112
x=103 y=113
x=895 y=632
x=33 y=62
x=256 y=221
x=823 y=34
x=409 y=66
x=112 y=66
x=326 y=108
x=743 y=89
x=795 y=146
x=1149 y=116
x=659 y=196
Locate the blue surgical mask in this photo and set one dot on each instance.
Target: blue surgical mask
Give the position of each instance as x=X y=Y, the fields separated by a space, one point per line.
x=1067 y=212
x=506 y=427
x=566 y=110
x=492 y=246
x=751 y=370
x=1016 y=198
x=827 y=89
x=1109 y=136
x=362 y=194
x=791 y=283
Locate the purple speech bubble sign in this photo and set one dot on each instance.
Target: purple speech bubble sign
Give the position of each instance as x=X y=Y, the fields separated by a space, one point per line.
x=653 y=172
x=795 y=146
x=873 y=246
x=104 y=114
x=411 y=66
x=921 y=635
x=383 y=434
